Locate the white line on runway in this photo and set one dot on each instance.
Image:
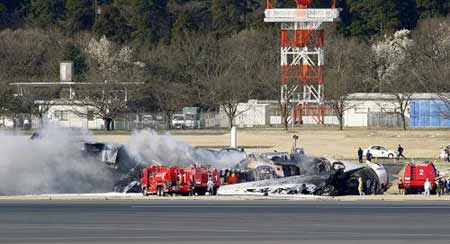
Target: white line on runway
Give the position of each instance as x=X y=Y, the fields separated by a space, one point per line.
x=337 y=207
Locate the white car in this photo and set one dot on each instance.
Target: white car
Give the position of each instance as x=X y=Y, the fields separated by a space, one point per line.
x=380 y=152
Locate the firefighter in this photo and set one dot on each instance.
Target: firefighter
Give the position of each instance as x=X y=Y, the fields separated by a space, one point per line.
x=427 y=187
x=401 y=187
x=192 y=185
x=438 y=188
x=232 y=179
x=369 y=156
x=225 y=177
x=210 y=185
x=360 y=186
x=360 y=155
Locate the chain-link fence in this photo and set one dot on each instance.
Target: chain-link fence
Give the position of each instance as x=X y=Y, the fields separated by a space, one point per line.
x=385 y=120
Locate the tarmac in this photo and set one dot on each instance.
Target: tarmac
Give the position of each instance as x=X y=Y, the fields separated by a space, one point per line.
x=219 y=221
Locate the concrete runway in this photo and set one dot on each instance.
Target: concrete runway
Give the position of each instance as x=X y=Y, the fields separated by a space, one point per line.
x=223 y=222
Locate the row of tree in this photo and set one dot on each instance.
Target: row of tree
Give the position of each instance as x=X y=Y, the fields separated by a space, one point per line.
x=402 y=64
x=146 y=23
x=197 y=69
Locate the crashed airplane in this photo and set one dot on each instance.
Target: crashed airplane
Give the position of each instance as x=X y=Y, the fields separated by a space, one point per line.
x=283 y=173
x=264 y=173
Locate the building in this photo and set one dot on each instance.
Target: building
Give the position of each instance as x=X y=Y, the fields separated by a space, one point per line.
x=372 y=110
x=425 y=110
x=70 y=113
x=429 y=110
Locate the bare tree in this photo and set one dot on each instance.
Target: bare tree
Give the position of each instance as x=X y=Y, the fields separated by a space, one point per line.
x=346 y=71
x=37 y=101
x=432 y=58
x=6 y=101
x=29 y=55
x=393 y=60
x=238 y=80
x=107 y=101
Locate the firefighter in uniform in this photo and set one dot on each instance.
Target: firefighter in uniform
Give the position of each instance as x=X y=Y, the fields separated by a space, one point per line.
x=210 y=185
x=401 y=187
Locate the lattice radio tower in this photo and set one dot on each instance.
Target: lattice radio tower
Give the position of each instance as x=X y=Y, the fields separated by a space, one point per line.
x=302 y=56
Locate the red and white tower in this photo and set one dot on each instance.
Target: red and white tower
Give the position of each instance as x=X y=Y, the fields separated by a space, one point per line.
x=302 y=56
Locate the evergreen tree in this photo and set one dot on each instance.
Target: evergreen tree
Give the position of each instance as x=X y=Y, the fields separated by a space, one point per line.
x=112 y=24
x=73 y=54
x=47 y=12
x=79 y=15
x=150 y=21
x=226 y=16
x=432 y=8
x=371 y=17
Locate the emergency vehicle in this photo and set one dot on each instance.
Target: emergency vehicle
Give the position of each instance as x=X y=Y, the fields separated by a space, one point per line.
x=415 y=176
x=164 y=180
x=200 y=176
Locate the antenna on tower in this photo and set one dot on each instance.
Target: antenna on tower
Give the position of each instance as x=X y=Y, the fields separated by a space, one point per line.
x=302 y=56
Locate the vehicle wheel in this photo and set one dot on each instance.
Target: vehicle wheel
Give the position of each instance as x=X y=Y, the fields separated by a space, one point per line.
x=145 y=191
x=391 y=156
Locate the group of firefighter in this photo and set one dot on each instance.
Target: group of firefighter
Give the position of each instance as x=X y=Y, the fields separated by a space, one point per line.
x=442 y=186
x=227 y=177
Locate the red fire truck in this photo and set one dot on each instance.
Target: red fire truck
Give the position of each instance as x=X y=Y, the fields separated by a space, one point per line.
x=200 y=175
x=163 y=180
x=415 y=176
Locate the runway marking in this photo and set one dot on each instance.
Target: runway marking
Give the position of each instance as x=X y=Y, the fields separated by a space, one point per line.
x=225 y=237
x=294 y=206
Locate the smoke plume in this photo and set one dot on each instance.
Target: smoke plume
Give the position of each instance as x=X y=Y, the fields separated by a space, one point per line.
x=53 y=163
x=147 y=146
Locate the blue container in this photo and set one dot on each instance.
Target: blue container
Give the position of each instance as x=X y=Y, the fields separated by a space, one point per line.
x=429 y=113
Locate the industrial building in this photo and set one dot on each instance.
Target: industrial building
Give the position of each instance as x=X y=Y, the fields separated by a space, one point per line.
x=424 y=110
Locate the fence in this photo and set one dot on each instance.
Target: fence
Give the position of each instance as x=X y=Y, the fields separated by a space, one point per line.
x=385 y=120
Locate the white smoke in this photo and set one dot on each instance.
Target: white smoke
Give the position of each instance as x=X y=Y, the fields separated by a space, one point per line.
x=52 y=163
x=148 y=146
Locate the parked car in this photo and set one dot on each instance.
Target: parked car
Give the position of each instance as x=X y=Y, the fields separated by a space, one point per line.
x=178 y=121
x=380 y=152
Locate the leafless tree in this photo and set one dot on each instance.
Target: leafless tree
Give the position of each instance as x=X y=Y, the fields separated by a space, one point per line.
x=29 y=55
x=345 y=73
x=432 y=58
x=393 y=61
x=107 y=101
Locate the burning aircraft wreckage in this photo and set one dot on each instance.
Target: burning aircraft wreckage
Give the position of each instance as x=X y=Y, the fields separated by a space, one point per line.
x=262 y=173
x=297 y=173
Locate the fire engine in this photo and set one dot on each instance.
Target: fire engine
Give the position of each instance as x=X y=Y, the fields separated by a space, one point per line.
x=415 y=176
x=200 y=176
x=164 y=180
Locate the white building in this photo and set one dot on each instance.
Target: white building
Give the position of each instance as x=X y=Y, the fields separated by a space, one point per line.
x=254 y=113
x=371 y=109
x=73 y=114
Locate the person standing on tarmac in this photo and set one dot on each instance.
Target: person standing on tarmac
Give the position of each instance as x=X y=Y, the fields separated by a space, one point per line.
x=360 y=186
x=210 y=185
x=369 y=156
x=438 y=188
x=192 y=185
x=360 y=155
x=401 y=187
x=427 y=187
